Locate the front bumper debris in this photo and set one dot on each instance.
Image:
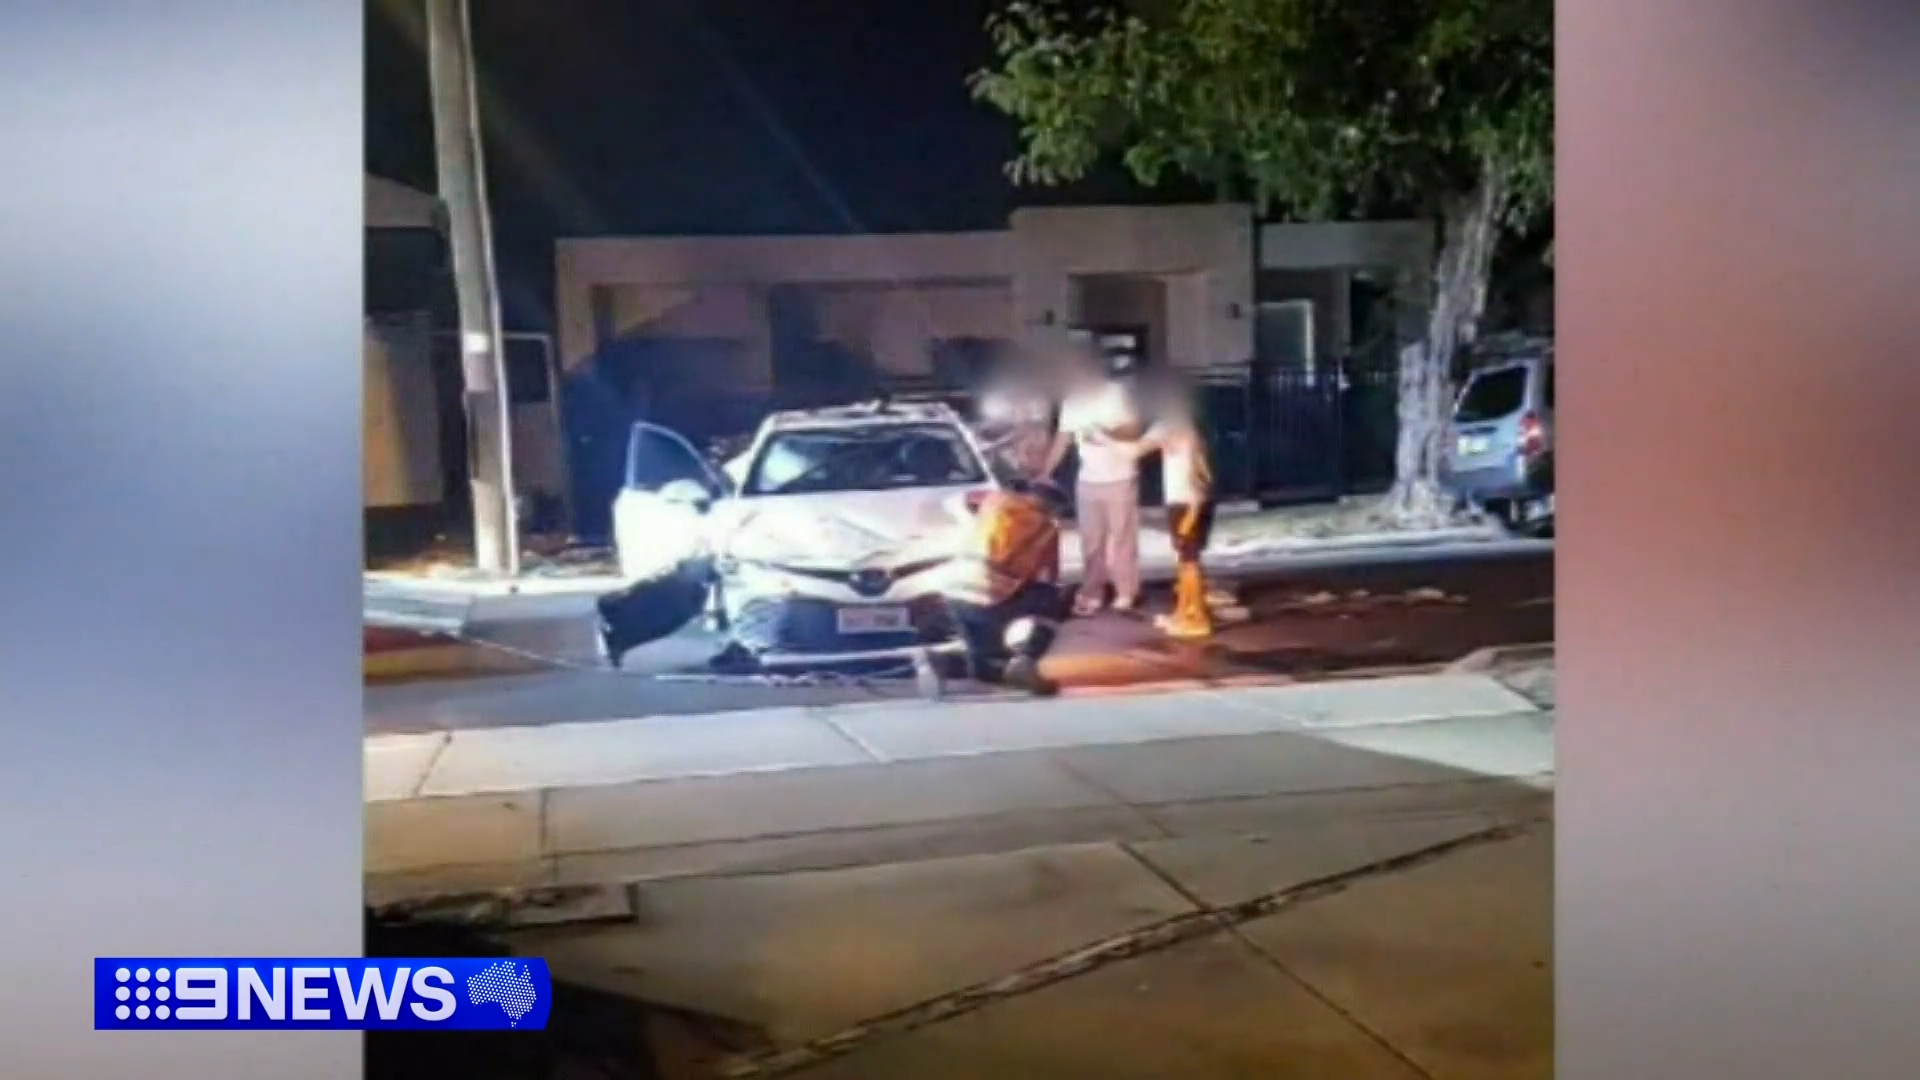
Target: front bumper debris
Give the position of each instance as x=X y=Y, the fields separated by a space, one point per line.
x=798 y=631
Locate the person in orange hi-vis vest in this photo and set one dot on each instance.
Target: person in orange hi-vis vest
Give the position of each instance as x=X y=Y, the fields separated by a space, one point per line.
x=1006 y=594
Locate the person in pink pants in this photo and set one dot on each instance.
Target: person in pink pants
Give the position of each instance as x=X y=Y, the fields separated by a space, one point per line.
x=1098 y=421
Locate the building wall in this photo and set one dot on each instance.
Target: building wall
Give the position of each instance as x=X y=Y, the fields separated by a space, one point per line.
x=758 y=264
x=1403 y=248
x=892 y=295
x=1192 y=272
x=897 y=325
x=688 y=311
x=1203 y=255
x=1126 y=300
x=387 y=204
x=892 y=324
x=1328 y=292
x=400 y=432
x=700 y=312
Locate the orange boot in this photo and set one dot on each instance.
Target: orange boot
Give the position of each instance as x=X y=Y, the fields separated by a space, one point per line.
x=1191 y=617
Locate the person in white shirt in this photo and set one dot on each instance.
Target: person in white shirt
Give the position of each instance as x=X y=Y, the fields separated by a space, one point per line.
x=1098 y=421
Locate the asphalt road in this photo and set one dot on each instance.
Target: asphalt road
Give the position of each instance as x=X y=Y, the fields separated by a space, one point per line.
x=1302 y=618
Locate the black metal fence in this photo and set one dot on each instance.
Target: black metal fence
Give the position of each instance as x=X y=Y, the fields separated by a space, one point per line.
x=1289 y=434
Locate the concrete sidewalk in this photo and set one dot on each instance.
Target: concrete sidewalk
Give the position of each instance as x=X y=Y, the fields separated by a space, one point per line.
x=1311 y=881
x=649 y=798
x=1364 y=942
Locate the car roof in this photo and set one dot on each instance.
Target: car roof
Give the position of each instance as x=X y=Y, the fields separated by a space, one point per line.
x=867 y=414
x=1509 y=350
x=1502 y=367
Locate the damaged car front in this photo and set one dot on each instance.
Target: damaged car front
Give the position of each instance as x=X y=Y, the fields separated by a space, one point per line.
x=846 y=539
x=862 y=534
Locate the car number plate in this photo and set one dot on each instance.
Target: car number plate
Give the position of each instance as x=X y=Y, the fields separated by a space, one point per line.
x=1473 y=444
x=873 y=620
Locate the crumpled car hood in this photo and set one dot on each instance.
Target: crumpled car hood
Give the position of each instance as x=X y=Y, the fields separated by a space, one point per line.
x=849 y=530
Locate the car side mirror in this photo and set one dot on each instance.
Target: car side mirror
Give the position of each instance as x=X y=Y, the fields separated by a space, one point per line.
x=687 y=493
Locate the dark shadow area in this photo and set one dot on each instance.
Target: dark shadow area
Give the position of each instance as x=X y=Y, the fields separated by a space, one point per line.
x=968 y=365
x=591 y=1034
x=1308 y=662
x=661 y=380
x=396 y=533
x=810 y=370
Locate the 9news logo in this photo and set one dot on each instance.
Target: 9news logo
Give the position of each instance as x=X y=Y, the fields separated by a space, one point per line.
x=344 y=993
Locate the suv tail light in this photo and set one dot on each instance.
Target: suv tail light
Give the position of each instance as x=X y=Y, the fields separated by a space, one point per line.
x=1533 y=437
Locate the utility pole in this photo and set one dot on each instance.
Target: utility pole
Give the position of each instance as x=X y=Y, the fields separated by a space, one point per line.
x=463 y=190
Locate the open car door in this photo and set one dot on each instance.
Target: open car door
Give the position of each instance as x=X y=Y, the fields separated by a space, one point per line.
x=662 y=537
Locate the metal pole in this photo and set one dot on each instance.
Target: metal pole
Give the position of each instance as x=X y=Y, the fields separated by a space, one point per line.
x=463 y=190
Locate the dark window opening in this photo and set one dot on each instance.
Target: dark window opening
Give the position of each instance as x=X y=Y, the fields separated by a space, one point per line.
x=528 y=381
x=656 y=458
x=1493 y=395
x=405 y=270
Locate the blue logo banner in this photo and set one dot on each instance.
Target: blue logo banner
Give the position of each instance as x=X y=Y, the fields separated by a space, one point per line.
x=326 y=994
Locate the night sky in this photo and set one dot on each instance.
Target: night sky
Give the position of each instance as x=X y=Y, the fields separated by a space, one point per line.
x=668 y=117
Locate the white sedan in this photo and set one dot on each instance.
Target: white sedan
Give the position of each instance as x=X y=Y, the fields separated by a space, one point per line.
x=836 y=536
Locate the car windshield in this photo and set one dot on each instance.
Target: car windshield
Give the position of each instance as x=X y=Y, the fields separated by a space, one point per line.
x=877 y=458
x=1492 y=395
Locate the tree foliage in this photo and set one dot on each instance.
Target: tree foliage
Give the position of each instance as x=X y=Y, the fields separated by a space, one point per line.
x=1308 y=108
x=1312 y=109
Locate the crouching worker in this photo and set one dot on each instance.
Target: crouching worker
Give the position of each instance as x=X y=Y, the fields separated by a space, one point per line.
x=1006 y=592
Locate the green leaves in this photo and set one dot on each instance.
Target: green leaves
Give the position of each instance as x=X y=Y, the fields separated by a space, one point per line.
x=1310 y=108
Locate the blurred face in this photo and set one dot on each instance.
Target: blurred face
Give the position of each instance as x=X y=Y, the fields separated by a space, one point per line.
x=1085 y=369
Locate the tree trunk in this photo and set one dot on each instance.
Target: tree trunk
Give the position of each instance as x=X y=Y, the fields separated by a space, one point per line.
x=1470 y=229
